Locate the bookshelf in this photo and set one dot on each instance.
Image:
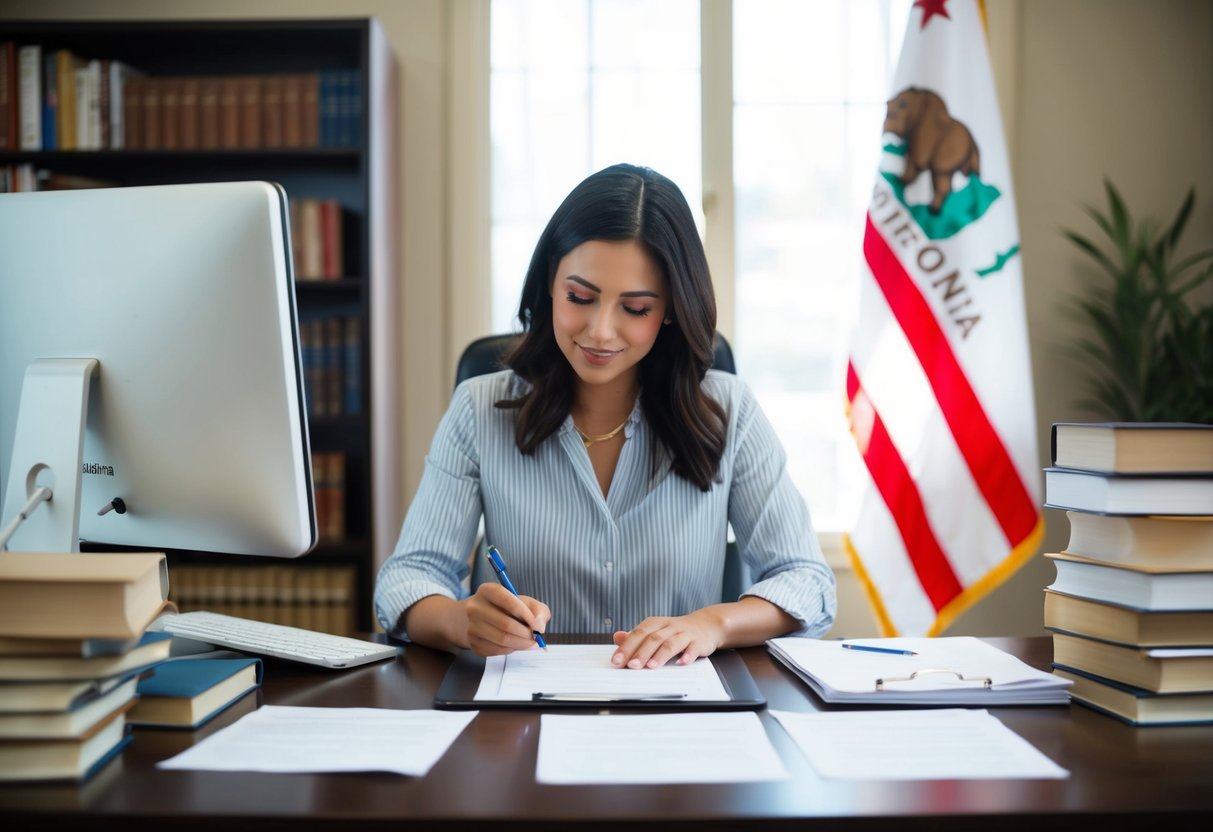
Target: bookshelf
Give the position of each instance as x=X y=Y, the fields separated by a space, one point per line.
x=336 y=162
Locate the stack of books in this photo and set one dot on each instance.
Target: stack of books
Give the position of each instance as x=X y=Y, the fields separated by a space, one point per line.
x=1131 y=610
x=73 y=646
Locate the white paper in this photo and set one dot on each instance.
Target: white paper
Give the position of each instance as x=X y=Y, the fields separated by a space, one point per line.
x=289 y=739
x=842 y=675
x=949 y=744
x=656 y=748
x=587 y=669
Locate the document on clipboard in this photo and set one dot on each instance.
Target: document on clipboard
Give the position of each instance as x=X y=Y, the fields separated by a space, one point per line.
x=581 y=675
x=956 y=670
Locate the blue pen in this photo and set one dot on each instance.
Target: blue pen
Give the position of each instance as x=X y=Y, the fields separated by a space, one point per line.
x=867 y=648
x=499 y=567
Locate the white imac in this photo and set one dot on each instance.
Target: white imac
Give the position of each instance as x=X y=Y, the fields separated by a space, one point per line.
x=149 y=361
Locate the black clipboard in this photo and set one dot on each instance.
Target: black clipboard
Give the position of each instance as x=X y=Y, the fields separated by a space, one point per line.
x=458 y=690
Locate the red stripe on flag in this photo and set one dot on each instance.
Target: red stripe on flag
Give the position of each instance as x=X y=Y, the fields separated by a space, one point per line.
x=901 y=495
x=978 y=441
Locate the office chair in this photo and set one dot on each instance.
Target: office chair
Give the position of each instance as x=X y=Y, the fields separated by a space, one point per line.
x=484 y=356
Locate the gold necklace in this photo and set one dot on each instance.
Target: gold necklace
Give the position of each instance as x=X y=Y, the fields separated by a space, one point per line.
x=589 y=439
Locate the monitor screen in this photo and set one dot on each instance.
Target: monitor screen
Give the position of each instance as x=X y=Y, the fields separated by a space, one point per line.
x=149 y=352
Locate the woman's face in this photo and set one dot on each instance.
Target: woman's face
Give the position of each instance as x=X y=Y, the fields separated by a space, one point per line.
x=608 y=304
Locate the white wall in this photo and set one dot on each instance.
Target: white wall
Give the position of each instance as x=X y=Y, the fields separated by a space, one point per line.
x=1090 y=88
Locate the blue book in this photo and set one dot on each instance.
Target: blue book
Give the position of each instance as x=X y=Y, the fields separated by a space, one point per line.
x=50 y=101
x=185 y=693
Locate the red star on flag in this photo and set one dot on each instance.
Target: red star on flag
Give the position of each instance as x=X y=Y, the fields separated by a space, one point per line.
x=930 y=8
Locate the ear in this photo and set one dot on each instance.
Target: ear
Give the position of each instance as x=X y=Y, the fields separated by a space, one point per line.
x=668 y=321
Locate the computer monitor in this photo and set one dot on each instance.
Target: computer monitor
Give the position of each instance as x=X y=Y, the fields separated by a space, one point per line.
x=149 y=352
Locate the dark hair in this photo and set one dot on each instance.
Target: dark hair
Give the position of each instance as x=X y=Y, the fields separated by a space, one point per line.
x=626 y=202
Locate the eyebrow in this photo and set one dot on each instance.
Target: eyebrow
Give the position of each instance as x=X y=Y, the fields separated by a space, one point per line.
x=639 y=293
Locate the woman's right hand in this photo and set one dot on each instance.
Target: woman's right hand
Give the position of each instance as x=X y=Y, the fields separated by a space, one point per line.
x=500 y=622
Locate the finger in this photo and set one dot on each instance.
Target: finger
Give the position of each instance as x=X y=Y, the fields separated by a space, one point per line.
x=540 y=614
x=629 y=640
x=675 y=643
x=648 y=646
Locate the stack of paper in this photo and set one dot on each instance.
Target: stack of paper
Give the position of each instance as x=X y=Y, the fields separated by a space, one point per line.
x=957 y=670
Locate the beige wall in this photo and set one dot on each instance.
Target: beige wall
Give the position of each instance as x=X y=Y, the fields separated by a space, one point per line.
x=1090 y=88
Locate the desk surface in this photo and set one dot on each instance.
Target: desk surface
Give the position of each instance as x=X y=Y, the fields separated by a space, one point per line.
x=1141 y=775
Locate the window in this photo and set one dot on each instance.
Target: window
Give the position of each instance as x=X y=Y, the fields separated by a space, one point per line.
x=576 y=86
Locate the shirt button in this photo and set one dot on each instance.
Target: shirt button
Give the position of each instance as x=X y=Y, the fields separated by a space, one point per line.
x=609 y=565
x=608 y=622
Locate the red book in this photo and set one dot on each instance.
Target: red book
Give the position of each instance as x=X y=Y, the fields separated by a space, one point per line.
x=292 y=113
x=250 y=112
x=271 y=111
x=208 y=113
x=229 y=112
x=333 y=250
x=189 y=134
x=8 y=96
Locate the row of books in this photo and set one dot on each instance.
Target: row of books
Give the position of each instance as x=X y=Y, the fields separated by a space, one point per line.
x=1131 y=609
x=328 y=483
x=317 y=238
x=331 y=351
x=52 y=99
x=79 y=666
x=313 y=597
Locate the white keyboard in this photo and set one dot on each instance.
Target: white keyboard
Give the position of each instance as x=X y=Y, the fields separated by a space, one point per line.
x=278 y=640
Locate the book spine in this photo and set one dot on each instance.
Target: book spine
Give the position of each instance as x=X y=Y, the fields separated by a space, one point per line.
x=250 y=112
x=208 y=113
x=189 y=133
x=50 y=101
x=80 y=75
x=353 y=366
x=132 y=113
x=170 y=113
x=152 y=88
x=105 y=127
x=272 y=111
x=334 y=366
x=229 y=112
x=9 y=120
x=292 y=113
x=66 y=76
x=330 y=218
x=29 y=96
x=309 y=109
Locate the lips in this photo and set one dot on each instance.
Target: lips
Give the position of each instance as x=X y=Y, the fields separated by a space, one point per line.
x=598 y=357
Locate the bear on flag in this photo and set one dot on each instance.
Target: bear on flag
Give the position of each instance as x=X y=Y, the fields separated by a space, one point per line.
x=939 y=385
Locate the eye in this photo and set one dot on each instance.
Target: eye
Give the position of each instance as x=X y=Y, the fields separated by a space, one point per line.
x=573 y=297
x=639 y=312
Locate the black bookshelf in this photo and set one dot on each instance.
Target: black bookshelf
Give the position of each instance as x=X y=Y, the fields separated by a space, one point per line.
x=361 y=177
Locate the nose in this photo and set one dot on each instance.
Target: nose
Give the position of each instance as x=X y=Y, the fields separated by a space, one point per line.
x=601 y=326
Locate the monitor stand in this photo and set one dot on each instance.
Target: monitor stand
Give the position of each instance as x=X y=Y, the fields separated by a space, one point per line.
x=48 y=450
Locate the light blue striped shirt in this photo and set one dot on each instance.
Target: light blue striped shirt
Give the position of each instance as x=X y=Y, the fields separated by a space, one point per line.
x=652 y=546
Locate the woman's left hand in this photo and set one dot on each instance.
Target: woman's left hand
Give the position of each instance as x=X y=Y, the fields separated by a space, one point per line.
x=658 y=639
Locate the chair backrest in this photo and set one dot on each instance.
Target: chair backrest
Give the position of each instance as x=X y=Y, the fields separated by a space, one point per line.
x=484 y=355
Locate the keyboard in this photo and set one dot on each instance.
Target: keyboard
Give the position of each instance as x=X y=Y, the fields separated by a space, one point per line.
x=278 y=640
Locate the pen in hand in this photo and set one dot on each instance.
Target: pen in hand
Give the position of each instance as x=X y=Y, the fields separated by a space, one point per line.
x=867 y=648
x=499 y=569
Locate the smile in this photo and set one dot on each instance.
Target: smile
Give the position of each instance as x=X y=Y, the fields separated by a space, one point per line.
x=598 y=356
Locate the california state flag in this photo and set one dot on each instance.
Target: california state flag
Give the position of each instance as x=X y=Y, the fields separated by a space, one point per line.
x=939 y=383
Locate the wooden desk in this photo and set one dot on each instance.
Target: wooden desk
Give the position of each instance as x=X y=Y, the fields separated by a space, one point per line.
x=1121 y=777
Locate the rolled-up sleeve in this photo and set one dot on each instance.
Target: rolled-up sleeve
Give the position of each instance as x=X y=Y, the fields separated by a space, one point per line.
x=772 y=525
x=431 y=556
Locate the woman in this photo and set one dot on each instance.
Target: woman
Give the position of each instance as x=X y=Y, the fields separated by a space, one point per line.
x=607 y=461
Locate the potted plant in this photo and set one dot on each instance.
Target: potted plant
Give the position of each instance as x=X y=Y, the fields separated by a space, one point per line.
x=1146 y=334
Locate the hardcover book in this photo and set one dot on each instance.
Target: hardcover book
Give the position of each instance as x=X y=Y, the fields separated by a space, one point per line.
x=1134 y=447
x=1076 y=490
x=63 y=759
x=68 y=724
x=1156 y=669
x=1143 y=587
x=185 y=693
x=152 y=649
x=62 y=595
x=1137 y=706
x=1185 y=542
x=1127 y=625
